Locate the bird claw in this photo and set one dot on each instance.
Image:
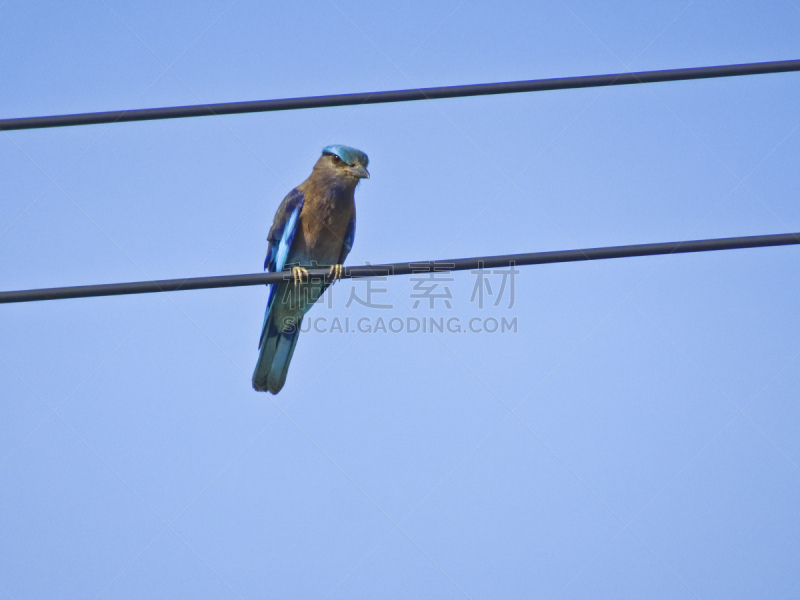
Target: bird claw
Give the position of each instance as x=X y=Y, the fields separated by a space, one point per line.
x=336 y=272
x=299 y=274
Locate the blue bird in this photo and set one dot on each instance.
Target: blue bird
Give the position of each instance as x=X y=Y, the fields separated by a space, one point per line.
x=314 y=227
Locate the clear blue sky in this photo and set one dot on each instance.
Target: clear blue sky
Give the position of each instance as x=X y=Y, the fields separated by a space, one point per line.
x=636 y=437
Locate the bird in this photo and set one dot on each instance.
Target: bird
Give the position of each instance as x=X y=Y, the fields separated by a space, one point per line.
x=313 y=227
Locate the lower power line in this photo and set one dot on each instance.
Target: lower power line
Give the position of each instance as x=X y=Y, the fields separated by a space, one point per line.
x=438 y=266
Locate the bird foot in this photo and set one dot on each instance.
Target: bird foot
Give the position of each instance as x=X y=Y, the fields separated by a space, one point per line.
x=299 y=274
x=336 y=272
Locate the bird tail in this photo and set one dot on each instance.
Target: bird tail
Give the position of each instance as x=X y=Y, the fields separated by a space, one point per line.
x=276 y=349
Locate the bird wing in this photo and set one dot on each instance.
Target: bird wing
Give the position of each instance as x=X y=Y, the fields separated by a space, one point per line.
x=280 y=238
x=347 y=245
x=283 y=229
x=347 y=242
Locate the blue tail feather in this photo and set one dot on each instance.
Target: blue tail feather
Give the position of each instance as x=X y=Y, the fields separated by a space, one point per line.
x=275 y=354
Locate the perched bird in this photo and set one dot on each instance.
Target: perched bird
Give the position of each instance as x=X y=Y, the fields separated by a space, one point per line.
x=314 y=227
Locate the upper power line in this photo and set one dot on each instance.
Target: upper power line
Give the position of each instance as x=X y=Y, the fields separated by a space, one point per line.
x=432 y=266
x=458 y=91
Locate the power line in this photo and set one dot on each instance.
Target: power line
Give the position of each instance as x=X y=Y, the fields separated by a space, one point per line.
x=458 y=91
x=438 y=266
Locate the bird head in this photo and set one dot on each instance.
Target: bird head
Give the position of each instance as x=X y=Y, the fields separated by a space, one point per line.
x=345 y=161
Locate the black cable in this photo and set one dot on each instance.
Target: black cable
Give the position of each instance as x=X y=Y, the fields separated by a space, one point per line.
x=439 y=266
x=458 y=91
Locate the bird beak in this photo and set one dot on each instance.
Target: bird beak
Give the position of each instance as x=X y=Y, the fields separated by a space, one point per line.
x=359 y=171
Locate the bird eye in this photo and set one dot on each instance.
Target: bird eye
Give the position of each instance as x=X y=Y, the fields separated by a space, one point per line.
x=337 y=160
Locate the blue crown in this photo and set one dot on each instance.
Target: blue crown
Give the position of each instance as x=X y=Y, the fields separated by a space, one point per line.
x=347 y=154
